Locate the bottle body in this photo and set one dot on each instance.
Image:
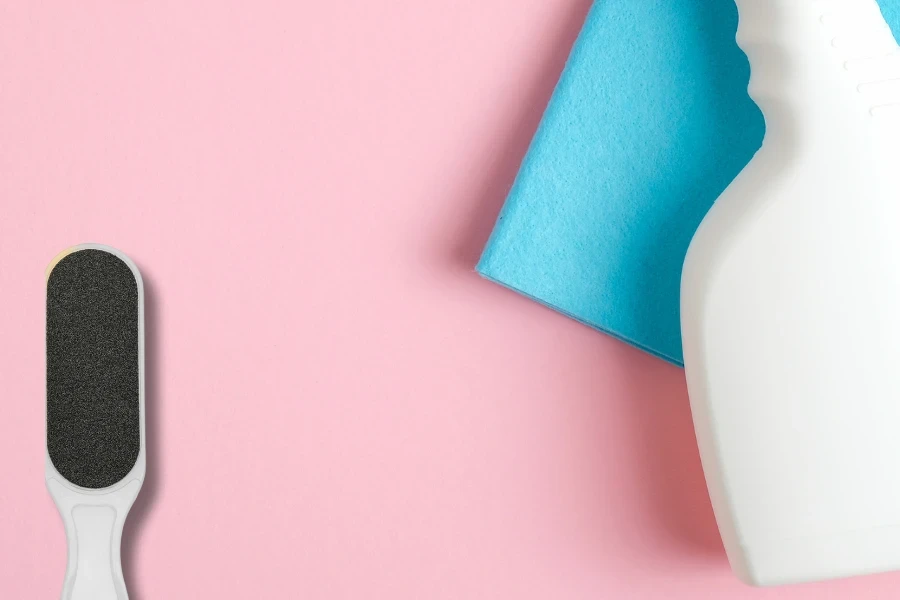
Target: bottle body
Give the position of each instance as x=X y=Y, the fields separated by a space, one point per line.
x=791 y=305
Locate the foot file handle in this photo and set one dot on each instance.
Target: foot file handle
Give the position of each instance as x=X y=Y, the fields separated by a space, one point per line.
x=94 y=523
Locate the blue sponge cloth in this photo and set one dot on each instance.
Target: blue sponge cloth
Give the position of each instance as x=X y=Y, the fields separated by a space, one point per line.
x=649 y=123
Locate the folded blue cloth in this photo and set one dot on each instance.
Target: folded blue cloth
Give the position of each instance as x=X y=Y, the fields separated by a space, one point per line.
x=649 y=123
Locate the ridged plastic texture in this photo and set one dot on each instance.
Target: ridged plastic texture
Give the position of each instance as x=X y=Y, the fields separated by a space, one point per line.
x=799 y=48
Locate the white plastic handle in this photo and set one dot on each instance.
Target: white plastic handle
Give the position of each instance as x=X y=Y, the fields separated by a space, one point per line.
x=94 y=525
x=97 y=531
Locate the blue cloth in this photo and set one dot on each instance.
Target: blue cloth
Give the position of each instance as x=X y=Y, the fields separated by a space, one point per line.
x=649 y=122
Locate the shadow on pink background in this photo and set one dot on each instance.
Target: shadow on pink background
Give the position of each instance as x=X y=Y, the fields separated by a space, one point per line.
x=338 y=406
x=144 y=504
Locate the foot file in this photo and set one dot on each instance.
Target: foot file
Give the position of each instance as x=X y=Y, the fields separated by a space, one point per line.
x=95 y=461
x=791 y=304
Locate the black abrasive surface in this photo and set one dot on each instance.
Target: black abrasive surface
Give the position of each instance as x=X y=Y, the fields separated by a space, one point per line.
x=93 y=385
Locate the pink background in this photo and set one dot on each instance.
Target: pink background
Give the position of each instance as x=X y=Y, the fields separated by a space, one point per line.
x=339 y=407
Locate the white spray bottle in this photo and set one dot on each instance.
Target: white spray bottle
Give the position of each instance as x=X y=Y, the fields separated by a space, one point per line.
x=791 y=303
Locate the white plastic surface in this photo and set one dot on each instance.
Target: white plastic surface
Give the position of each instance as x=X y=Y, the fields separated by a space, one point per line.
x=791 y=304
x=94 y=518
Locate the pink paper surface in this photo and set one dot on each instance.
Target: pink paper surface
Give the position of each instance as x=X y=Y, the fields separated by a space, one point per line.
x=338 y=408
